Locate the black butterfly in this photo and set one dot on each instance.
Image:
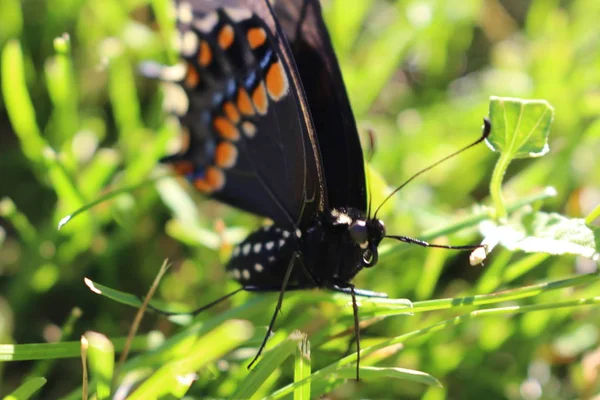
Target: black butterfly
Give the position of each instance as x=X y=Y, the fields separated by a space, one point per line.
x=261 y=99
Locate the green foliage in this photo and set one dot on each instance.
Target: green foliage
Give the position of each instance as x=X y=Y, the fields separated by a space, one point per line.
x=543 y=232
x=27 y=389
x=520 y=129
x=101 y=360
x=80 y=136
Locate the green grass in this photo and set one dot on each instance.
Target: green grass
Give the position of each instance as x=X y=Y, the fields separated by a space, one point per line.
x=81 y=130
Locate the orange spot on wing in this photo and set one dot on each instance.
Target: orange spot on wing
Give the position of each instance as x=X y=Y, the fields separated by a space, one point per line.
x=231 y=112
x=213 y=180
x=244 y=104
x=202 y=186
x=204 y=54
x=256 y=37
x=277 y=83
x=225 y=155
x=226 y=36
x=192 y=79
x=183 y=167
x=226 y=129
x=260 y=100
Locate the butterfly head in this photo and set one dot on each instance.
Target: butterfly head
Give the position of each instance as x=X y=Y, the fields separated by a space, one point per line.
x=365 y=233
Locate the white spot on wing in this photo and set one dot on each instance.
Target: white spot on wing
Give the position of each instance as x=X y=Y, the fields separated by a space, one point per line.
x=238 y=14
x=173 y=73
x=269 y=245
x=246 y=274
x=176 y=100
x=286 y=234
x=281 y=243
x=249 y=129
x=236 y=274
x=189 y=43
x=207 y=23
x=246 y=249
x=271 y=259
x=184 y=12
x=257 y=247
x=258 y=267
x=236 y=251
x=298 y=233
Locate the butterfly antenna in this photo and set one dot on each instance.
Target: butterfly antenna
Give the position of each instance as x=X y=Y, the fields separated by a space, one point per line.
x=487 y=127
x=423 y=243
x=369 y=158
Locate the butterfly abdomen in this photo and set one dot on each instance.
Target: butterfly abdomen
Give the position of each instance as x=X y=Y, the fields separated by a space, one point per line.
x=261 y=260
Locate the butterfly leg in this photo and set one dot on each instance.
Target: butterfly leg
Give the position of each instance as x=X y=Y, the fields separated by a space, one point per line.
x=198 y=310
x=345 y=287
x=288 y=273
x=348 y=288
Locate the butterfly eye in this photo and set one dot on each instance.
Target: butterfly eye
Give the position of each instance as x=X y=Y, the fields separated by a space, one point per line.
x=358 y=232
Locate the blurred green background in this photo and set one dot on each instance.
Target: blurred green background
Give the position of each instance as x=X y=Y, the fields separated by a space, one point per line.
x=419 y=75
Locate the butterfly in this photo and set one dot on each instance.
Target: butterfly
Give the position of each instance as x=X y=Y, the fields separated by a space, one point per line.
x=269 y=130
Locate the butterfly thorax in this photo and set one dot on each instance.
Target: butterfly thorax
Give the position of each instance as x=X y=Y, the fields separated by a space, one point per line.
x=340 y=243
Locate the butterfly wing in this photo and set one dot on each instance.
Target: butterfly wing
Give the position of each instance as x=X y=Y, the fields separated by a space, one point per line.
x=304 y=28
x=251 y=140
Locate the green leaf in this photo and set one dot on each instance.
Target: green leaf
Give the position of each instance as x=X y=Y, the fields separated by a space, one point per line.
x=180 y=316
x=101 y=199
x=27 y=389
x=55 y=351
x=60 y=80
x=121 y=297
x=520 y=127
x=19 y=105
x=324 y=384
x=370 y=373
x=269 y=362
x=302 y=369
x=101 y=360
x=542 y=232
x=173 y=379
x=11 y=19
x=165 y=17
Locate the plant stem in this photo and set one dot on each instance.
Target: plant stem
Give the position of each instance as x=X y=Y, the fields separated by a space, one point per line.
x=496 y=186
x=593 y=215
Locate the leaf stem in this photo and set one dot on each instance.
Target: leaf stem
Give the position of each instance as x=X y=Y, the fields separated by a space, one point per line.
x=496 y=186
x=593 y=215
